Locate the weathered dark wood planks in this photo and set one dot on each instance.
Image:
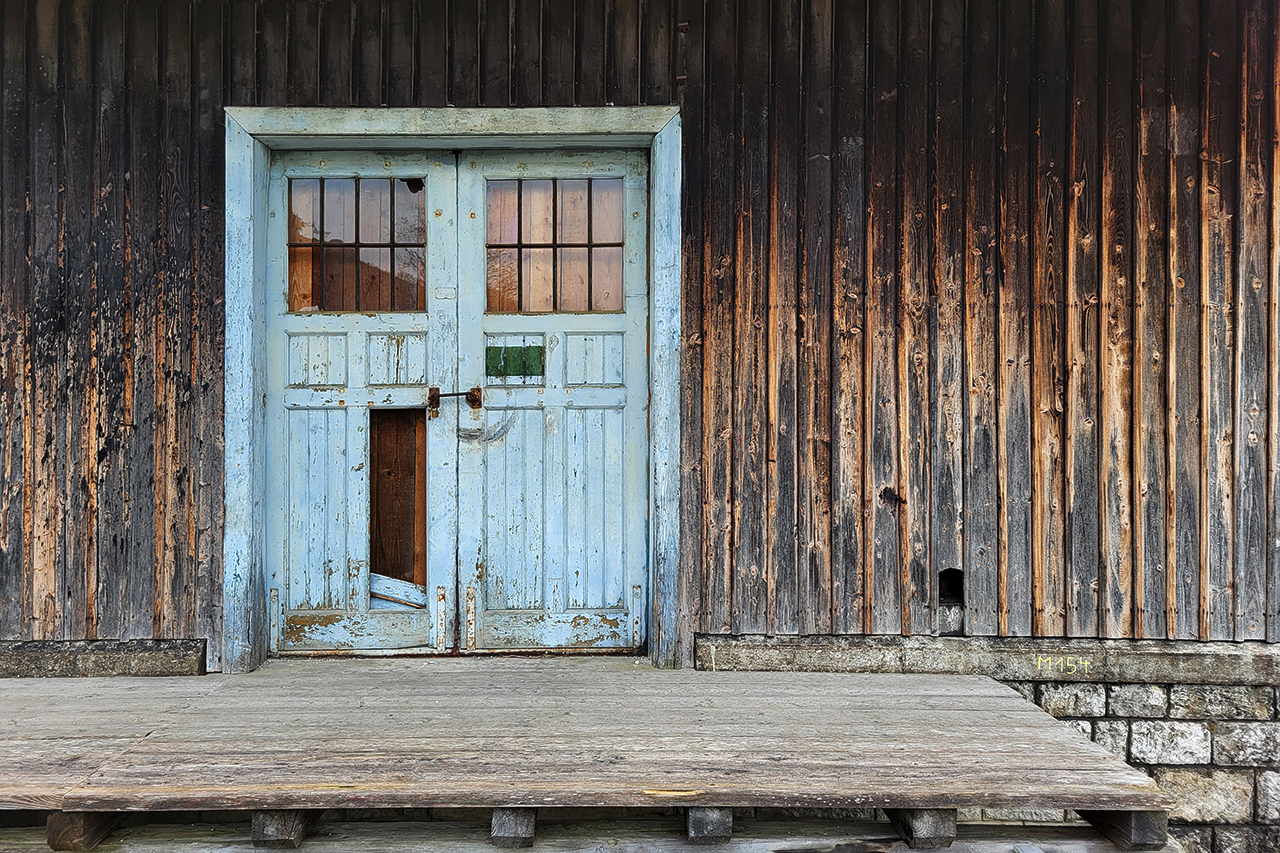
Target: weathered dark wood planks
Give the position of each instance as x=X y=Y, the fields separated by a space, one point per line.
x=1082 y=341
x=960 y=292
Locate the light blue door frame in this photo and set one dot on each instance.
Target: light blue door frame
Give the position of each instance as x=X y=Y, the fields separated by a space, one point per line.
x=312 y=410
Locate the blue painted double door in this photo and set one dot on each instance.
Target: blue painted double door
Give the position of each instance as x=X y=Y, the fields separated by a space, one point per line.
x=521 y=274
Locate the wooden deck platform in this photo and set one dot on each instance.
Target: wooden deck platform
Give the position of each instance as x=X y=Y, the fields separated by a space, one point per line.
x=509 y=732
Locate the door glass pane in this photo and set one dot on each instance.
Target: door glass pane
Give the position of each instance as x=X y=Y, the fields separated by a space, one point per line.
x=375 y=279
x=571 y=222
x=304 y=211
x=536 y=268
x=606 y=279
x=410 y=279
x=504 y=280
x=606 y=211
x=536 y=211
x=411 y=211
x=375 y=210
x=503 y=218
x=339 y=211
x=303 y=271
x=340 y=280
x=571 y=269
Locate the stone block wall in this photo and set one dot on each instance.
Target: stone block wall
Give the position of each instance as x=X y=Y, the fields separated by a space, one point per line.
x=1214 y=748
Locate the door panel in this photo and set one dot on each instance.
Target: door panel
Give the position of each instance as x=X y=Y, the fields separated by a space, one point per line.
x=553 y=482
x=327 y=371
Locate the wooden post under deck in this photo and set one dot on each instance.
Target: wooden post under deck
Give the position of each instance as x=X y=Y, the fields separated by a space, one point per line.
x=708 y=825
x=1131 y=830
x=924 y=829
x=80 y=830
x=286 y=828
x=513 y=827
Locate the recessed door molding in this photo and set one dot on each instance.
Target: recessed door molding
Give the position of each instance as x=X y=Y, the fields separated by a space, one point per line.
x=253 y=133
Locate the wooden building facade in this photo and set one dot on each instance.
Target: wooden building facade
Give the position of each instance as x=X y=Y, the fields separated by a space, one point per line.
x=986 y=286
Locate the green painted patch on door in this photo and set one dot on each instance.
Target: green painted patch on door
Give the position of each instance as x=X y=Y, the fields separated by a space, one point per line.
x=514 y=361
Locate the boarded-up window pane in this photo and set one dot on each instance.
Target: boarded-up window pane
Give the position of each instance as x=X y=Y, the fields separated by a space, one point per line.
x=397 y=450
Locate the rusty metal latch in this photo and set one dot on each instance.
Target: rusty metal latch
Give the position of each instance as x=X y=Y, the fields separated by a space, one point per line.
x=472 y=396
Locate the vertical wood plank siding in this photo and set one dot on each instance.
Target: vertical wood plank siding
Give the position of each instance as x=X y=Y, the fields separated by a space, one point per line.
x=968 y=284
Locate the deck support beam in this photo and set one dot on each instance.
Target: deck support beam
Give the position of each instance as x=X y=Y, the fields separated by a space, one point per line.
x=80 y=830
x=1137 y=830
x=286 y=828
x=924 y=829
x=708 y=824
x=513 y=827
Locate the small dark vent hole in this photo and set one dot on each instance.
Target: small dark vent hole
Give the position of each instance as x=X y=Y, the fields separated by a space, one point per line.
x=951 y=586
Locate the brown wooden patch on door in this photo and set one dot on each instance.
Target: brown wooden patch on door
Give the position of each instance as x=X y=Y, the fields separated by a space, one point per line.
x=398 y=460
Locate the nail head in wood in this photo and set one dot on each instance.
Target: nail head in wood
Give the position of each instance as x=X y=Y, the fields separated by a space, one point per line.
x=79 y=830
x=285 y=828
x=1136 y=830
x=708 y=824
x=513 y=827
x=924 y=829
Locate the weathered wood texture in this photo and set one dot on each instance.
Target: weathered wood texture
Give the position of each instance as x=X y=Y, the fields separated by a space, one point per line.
x=985 y=285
